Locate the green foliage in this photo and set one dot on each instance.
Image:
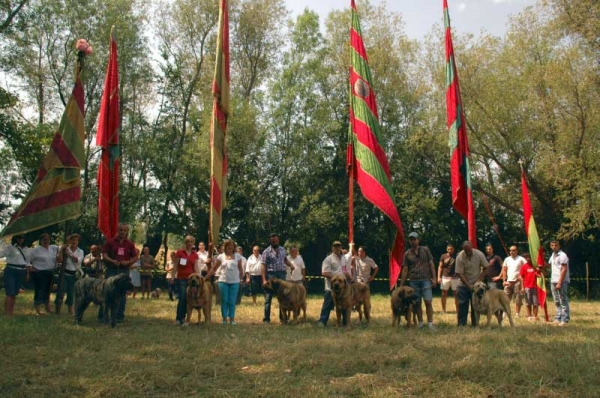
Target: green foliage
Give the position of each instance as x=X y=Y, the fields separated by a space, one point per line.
x=530 y=96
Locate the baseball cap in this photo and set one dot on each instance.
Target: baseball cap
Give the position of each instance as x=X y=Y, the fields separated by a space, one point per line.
x=336 y=243
x=413 y=235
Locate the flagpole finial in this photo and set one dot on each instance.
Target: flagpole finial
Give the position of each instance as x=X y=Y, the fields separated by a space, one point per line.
x=520 y=161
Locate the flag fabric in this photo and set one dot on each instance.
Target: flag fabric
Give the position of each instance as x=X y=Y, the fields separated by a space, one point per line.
x=367 y=161
x=55 y=194
x=460 y=169
x=107 y=138
x=535 y=248
x=218 y=128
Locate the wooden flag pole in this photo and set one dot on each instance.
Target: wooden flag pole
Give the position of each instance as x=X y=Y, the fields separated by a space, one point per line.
x=587 y=280
x=60 y=293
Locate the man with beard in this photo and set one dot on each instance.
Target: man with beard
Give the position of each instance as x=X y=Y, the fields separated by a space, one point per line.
x=274 y=262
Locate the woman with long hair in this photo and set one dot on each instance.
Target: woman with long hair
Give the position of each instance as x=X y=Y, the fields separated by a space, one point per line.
x=229 y=270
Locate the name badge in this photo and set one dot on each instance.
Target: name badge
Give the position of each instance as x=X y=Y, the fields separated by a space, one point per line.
x=182 y=261
x=121 y=251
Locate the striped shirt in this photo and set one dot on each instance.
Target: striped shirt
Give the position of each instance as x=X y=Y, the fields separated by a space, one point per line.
x=418 y=263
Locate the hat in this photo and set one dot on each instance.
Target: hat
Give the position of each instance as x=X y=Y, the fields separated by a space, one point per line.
x=336 y=243
x=413 y=235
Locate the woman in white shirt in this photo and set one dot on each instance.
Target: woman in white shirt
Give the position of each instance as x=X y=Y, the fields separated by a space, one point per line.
x=228 y=269
x=17 y=266
x=135 y=275
x=43 y=259
x=72 y=268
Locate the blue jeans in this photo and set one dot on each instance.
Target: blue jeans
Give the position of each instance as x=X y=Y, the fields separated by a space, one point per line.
x=561 y=299
x=422 y=290
x=464 y=296
x=229 y=292
x=121 y=309
x=180 y=287
x=68 y=285
x=327 y=307
x=269 y=295
x=42 y=282
x=13 y=279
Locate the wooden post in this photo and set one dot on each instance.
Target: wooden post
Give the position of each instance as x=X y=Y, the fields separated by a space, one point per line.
x=587 y=280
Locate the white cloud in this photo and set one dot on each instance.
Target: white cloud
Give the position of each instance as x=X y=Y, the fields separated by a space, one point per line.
x=462 y=6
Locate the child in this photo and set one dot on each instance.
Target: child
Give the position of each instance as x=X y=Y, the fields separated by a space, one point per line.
x=528 y=277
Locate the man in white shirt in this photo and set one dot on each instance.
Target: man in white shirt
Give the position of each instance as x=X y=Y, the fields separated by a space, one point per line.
x=298 y=275
x=366 y=269
x=559 y=280
x=334 y=264
x=510 y=275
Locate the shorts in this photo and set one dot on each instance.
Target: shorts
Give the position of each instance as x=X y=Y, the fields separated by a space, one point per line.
x=449 y=282
x=13 y=279
x=531 y=297
x=146 y=277
x=422 y=290
x=514 y=290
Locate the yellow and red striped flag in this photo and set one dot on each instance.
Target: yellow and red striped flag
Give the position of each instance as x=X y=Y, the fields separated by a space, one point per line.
x=533 y=238
x=55 y=194
x=218 y=127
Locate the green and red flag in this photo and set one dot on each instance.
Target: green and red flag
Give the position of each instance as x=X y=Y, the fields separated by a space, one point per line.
x=56 y=192
x=218 y=128
x=460 y=169
x=107 y=138
x=535 y=248
x=366 y=160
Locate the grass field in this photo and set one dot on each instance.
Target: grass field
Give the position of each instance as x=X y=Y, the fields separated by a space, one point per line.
x=149 y=356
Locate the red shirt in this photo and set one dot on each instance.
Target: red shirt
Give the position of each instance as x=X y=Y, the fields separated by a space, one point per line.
x=120 y=251
x=529 y=275
x=183 y=271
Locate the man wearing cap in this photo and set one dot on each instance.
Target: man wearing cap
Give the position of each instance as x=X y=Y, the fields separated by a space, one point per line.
x=419 y=268
x=471 y=265
x=334 y=264
x=274 y=262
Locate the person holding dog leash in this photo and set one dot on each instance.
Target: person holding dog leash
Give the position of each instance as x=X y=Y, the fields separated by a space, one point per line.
x=419 y=268
x=334 y=264
x=471 y=265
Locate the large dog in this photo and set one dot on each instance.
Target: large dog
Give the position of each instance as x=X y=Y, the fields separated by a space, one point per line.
x=106 y=293
x=199 y=297
x=403 y=301
x=347 y=296
x=291 y=298
x=490 y=302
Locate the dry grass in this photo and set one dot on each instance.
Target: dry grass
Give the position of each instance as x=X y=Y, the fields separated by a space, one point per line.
x=149 y=356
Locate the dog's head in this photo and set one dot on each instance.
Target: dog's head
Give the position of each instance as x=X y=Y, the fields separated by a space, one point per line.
x=272 y=285
x=195 y=280
x=403 y=296
x=122 y=282
x=479 y=289
x=339 y=283
x=158 y=291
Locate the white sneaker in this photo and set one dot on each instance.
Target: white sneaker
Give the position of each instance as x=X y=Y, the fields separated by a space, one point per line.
x=431 y=327
x=517 y=315
x=421 y=325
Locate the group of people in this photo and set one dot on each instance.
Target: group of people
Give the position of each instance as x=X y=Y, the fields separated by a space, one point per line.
x=517 y=275
x=231 y=272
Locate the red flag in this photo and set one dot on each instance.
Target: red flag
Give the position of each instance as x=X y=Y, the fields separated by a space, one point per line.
x=460 y=169
x=535 y=248
x=366 y=160
x=108 y=138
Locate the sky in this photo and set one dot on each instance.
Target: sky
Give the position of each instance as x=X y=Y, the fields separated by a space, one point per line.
x=420 y=15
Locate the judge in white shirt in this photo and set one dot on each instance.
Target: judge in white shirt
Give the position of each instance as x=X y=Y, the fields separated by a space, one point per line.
x=74 y=258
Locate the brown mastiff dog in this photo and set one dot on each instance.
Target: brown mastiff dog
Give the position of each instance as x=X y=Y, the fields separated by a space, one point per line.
x=490 y=302
x=291 y=298
x=403 y=301
x=198 y=296
x=347 y=296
